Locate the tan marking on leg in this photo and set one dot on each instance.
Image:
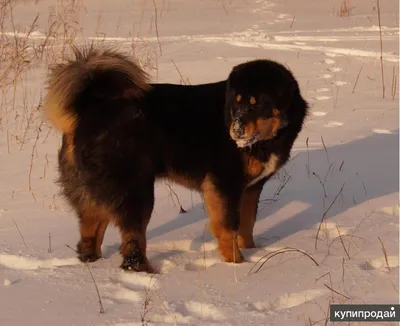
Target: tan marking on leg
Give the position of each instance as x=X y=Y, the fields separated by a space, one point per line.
x=253 y=100
x=248 y=214
x=127 y=237
x=101 y=230
x=238 y=98
x=93 y=223
x=216 y=209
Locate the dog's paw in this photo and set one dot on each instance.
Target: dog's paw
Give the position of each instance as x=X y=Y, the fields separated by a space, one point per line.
x=136 y=262
x=88 y=257
x=236 y=258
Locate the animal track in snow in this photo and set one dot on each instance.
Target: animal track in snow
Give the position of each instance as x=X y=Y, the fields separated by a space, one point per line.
x=201 y=264
x=334 y=69
x=329 y=61
x=390 y=210
x=326 y=76
x=7 y=282
x=323 y=89
x=381 y=131
x=288 y=300
x=339 y=83
x=138 y=280
x=282 y=16
x=333 y=124
x=183 y=245
x=319 y=113
x=131 y=286
x=321 y=97
x=203 y=310
x=174 y=318
x=123 y=294
x=380 y=263
x=27 y=263
x=331 y=230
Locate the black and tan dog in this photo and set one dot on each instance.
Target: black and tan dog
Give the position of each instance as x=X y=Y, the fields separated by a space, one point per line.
x=120 y=134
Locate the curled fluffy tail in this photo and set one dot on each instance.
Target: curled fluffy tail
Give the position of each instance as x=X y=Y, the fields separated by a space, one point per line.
x=93 y=75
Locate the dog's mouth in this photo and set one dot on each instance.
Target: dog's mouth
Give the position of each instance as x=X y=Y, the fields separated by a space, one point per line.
x=247 y=134
x=247 y=142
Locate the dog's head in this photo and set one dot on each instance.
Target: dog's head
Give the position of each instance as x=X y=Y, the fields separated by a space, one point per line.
x=257 y=100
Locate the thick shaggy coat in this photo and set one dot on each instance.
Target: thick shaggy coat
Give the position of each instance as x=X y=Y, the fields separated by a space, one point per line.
x=121 y=133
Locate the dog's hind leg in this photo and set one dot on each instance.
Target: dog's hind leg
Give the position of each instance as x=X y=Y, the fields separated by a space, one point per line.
x=92 y=225
x=133 y=217
x=223 y=212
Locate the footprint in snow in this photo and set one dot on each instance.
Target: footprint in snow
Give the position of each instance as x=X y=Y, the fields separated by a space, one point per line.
x=326 y=76
x=331 y=230
x=381 y=131
x=288 y=300
x=30 y=263
x=131 y=287
x=319 y=114
x=339 y=83
x=323 y=89
x=329 y=61
x=334 y=69
x=332 y=55
x=321 y=97
x=334 y=124
x=380 y=263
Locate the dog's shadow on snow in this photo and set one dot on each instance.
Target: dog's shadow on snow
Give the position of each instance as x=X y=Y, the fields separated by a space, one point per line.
x=368 y=167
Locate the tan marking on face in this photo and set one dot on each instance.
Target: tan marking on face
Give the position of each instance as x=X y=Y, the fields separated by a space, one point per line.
x=253 y=100
x=249 y=129
x=238 y=98
x=267 y=128
x=275 y=112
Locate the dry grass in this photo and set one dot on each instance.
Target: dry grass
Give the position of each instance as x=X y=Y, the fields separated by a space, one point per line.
x=25 y=54
x=345 y=9
x=381 y=47
x=278 y=252
x=384 y=254
x=101 y=307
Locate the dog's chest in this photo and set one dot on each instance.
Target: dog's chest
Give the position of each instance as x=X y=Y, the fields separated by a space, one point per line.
x=257 y=170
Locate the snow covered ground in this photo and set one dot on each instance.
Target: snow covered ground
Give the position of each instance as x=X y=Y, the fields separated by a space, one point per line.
x=345 y=164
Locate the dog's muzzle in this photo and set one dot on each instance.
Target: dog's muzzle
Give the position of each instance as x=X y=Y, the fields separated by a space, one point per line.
x=238 y=128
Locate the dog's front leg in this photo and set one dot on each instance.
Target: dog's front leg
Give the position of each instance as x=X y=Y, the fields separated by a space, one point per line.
x=223 y=211
x=248 y=215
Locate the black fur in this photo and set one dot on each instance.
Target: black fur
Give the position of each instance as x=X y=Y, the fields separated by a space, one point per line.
x=123 y=141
